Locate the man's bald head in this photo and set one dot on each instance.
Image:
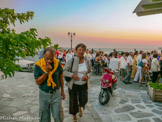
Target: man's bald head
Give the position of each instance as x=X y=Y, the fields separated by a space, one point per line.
x=50 y=50
x=49 y=54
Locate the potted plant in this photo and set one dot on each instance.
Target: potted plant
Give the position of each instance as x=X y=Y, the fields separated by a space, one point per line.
x=155 y=91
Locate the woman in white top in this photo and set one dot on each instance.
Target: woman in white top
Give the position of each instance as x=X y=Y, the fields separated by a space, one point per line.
x=78 y=86
x=155 y=68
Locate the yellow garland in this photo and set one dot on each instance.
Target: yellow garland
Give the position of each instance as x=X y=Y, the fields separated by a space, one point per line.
x=42 y=64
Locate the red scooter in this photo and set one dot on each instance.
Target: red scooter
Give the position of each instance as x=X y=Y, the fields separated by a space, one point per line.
x=108 y=83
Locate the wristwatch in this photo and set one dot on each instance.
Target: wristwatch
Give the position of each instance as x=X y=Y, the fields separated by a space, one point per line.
x=46 y=72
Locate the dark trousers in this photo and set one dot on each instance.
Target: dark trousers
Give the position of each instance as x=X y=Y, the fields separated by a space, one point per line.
x=78 y=97
x=92 y=62
x=97 y=68
x=128 y=76
x=155 y=76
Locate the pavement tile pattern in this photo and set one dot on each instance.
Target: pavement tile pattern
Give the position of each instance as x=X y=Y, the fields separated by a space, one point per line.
x=127 y=105
x=19 y=101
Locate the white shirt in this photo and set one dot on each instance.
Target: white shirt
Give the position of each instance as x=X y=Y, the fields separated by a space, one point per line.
x=89 y=56
x=145 y=61
x=93 y=56
x=68 y=56
x=114 y=63
x=60 y=55
x=82 y=70
x=130 y=60
x=123 y=63
x=105 y=59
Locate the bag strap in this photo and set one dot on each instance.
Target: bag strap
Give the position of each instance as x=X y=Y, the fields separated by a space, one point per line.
x=72 y=65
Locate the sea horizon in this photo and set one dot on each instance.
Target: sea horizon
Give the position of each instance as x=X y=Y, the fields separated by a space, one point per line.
x=108 y=50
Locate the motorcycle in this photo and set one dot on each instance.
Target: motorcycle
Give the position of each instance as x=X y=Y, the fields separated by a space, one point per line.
x=108 y=84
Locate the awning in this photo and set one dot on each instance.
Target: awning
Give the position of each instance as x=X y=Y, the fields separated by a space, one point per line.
x=148 y=7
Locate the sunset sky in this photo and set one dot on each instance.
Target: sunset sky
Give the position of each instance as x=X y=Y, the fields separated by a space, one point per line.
x=97 y=23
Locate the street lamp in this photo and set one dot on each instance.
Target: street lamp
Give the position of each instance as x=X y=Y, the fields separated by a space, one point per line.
x=70 y=34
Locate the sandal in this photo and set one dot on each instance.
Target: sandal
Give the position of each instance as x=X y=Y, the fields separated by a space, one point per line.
x=80 y=112
x=74 y=118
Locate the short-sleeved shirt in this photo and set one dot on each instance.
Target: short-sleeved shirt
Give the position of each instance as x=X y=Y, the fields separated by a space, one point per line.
x=56 y=78
x=123 y=63
x=145 y=61
x=130 y=60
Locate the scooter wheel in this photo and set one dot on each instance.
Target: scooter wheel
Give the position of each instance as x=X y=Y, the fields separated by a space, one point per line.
x=104 y=97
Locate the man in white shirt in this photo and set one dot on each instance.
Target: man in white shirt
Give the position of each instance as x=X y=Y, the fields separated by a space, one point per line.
x=128 y=68
x=138 y=74
x=69 y=55
x=114 y=64
x=60 y=56
x=123 y=64
x=89 y=56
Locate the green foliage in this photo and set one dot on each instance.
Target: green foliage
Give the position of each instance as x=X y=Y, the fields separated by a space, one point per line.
x=156 y=85
x=56 y=47
x=14 y=45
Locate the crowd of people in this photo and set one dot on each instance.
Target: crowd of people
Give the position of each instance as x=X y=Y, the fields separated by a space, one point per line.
x=138 y=65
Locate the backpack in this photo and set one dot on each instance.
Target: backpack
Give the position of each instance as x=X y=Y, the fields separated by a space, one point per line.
x=140 y=64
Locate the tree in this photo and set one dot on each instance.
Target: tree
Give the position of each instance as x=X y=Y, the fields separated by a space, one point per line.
x=14 y=45
x=56 y=47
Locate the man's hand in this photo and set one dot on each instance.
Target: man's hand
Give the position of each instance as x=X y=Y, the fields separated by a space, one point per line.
x=75 y=77
x=48 y=67
x=85 y=78
x=63 y=94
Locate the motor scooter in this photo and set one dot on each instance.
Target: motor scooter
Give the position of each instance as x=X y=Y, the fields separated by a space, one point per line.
x=108 y=84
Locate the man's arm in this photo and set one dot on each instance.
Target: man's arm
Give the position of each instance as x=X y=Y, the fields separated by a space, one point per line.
x=67 y=57
x=129 y=66
x=62 y=86
x=62 y=82
x=41 y=79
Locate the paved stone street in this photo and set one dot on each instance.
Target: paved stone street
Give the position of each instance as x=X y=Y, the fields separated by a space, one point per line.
x=129 y=103
x=19 y=100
